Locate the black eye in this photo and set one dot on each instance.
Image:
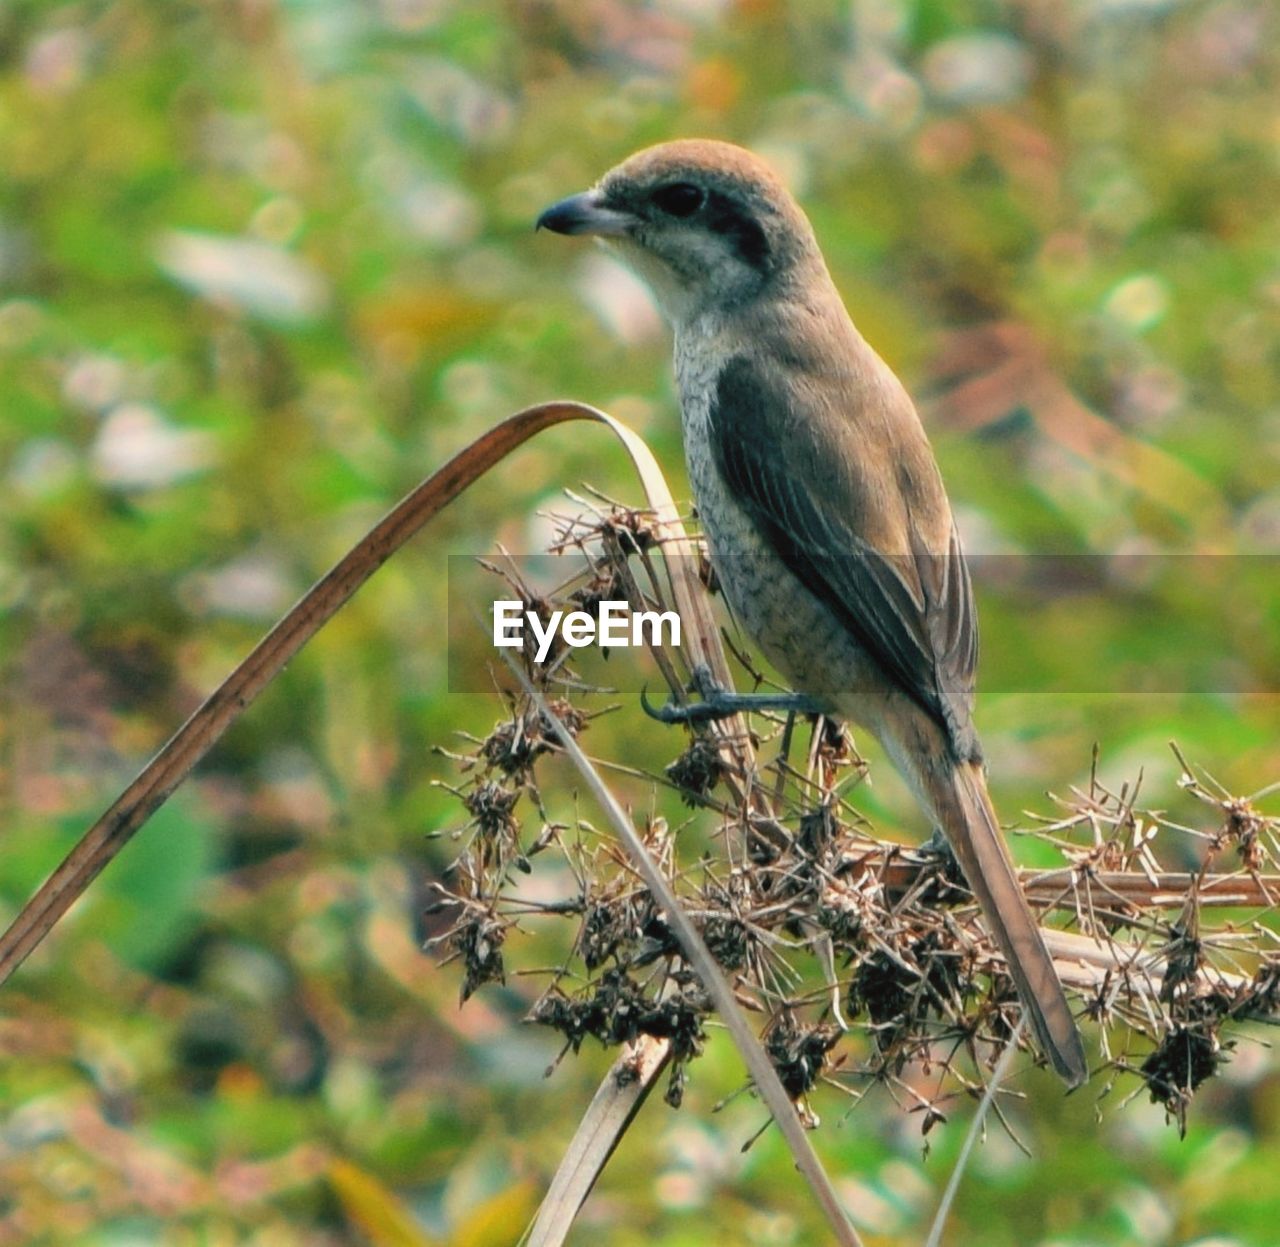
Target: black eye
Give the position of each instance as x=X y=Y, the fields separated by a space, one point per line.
x=679 y=198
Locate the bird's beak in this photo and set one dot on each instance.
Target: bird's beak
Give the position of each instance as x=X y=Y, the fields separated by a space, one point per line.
x=585 y=214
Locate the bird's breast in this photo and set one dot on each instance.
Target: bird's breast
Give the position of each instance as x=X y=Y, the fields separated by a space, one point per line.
x=796 y=632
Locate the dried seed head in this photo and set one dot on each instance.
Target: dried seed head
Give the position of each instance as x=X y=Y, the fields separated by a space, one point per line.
x=1180 y=1063
x=1185 y=958
x=609 y=927
x=728 y=940
x=515 y=744
x=479 y=939
x=799 y=1052
x=490 y=806
x=697 y=771
x=1245 y=826
x=632 y=530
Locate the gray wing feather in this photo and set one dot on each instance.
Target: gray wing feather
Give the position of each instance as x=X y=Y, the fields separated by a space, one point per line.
x=913 y=612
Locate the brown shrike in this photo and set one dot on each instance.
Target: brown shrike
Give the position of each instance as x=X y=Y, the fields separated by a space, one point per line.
x=827 y=519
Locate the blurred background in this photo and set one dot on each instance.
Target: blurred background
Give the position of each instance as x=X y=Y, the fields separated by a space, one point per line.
x=266 y=263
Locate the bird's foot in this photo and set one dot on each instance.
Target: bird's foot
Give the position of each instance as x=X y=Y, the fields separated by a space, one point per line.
x=717 y=702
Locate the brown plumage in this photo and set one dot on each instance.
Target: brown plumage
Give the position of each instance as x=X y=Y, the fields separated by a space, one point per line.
x=827 y=518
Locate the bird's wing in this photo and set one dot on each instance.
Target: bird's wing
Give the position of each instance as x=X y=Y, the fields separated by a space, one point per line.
x=911 y=609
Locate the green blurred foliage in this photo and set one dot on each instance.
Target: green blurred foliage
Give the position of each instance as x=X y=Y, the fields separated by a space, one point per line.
x=265 y=263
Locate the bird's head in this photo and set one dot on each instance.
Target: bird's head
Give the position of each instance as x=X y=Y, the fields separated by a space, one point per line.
x=708 y=225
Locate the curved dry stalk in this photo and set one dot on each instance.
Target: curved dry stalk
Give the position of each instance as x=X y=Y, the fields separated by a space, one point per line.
x=609 y=1114
x=762 y=1070
x=175 y=761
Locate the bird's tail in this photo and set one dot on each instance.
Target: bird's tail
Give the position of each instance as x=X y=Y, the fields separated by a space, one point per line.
x=968 y=819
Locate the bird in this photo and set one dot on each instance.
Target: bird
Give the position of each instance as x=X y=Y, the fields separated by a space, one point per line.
x=822 y=504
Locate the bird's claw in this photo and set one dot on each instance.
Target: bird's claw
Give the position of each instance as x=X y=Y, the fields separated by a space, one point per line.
x=661 y=713
x=673 y=712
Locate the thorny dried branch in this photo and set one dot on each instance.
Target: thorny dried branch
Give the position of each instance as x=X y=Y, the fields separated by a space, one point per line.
x=864 y=958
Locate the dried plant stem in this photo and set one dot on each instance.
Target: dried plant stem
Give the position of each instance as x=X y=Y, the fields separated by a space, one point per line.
x=610 y=1112
x=1053 y=888
x=175 y=761
x=975 y=1129
x=161 y=777
x=713 y=981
